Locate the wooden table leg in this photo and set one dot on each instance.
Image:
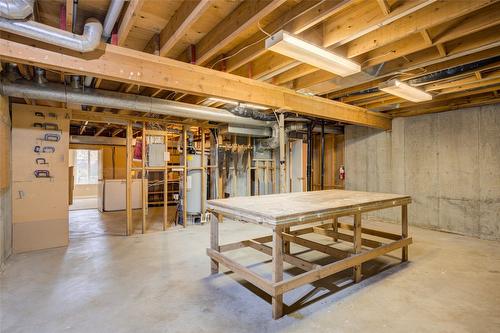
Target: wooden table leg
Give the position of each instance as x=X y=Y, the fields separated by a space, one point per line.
x=357 y=245
x=286 y=244
x=214 y=240
x=404 y=233
x=335 y=227
x=277 y=301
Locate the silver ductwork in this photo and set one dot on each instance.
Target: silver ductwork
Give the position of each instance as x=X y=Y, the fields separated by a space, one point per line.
x=114 y=10
x=82 y=43
x=116 y=100
x=274 y=142
x=16 y=9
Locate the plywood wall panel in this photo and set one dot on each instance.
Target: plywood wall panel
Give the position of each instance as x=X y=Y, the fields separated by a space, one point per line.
x=39 y=205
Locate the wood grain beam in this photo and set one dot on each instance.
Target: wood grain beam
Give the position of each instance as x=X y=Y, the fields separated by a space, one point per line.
x=425 y=18
x=69 y=15
x=416 y=52
x=128 y=20
x=300 y=18
x=365 y=18
x=120 y=64
x=247 y=14
x=181 y=21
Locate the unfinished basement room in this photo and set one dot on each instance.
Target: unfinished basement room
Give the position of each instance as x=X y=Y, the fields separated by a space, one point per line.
x=249 y=166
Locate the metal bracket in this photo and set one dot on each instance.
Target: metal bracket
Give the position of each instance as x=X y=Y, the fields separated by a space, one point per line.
x=48 y=149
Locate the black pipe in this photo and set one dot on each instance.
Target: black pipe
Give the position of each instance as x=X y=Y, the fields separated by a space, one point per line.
x=446 y=73
x=75 y=15
x=310 y=128
x=439 y=75
x=322 y=174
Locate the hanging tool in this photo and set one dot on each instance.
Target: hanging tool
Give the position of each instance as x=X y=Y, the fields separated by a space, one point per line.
x=52 y=115
x=51 y=126
x=48 y=149
x=38 y=125
x=39 y=114
x=42 y=174
x=37 y=149
x=41 y=160
x=52 y=137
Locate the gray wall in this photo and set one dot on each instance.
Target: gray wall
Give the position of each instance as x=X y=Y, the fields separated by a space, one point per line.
x=448 y=162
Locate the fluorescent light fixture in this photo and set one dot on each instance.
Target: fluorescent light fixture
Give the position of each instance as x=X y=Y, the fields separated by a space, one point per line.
x=236 y=103
x=291 y=46
x=403 y=90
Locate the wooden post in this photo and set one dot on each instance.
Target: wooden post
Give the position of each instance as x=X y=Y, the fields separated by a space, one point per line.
x=144 y=180
x=404 y=225
x=203 y=173
x=214 y=241
x=357 y=245
x=282 y=153
x=249 y=166
x=234 y=182
x=286 y=244
x=128 y=195
x=335 y=227
x=277 y=275
x=266 y=179
x=221 y=171
x=165 y=186
x=184 y=177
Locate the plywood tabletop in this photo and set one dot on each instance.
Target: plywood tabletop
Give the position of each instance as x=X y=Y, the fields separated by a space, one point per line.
x=292 y=207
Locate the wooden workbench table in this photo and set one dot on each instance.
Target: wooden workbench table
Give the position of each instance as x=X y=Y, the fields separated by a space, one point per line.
x=282 y=211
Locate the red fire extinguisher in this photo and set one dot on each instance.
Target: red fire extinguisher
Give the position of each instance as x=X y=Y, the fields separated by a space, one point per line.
x=341 y=173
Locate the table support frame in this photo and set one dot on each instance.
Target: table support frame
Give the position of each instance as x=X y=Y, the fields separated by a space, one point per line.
x=281 y=238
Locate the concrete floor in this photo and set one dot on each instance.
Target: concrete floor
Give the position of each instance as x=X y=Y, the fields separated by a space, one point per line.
x=92 y=223
x=160 y=282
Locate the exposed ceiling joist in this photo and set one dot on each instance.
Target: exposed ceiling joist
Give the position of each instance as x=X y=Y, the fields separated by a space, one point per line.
x=120 y=64
x=247 y=14
x=184 y=17
x=127 y=22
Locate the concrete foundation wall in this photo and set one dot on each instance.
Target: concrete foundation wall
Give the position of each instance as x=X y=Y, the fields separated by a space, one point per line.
x=448 y=162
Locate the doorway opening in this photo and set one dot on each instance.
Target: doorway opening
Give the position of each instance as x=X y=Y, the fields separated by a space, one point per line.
x=85 y=168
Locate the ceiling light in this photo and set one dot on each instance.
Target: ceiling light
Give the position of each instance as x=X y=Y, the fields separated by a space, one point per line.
x=403 y=90
x=291 y=46
x=236 y=103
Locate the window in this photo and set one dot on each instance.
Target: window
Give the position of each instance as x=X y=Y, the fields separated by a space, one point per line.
x=86 y=164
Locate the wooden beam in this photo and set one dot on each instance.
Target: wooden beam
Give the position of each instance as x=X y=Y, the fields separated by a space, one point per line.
x=300 y=18
x=247 y=14
x=117 y=131
x=82 y=129
x=384 y=6
x=102 y=129
x=128 y=20
x=181 y=21
x=120 y=64
x=363 y=19
x=128 y=194
x=69 y=15
x=439 y=65
x=317 y=14
x=427 y=17
x=324 y=82
x=441 y=49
